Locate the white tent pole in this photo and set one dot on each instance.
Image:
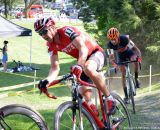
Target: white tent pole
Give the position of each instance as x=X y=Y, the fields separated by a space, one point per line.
x=30 y=58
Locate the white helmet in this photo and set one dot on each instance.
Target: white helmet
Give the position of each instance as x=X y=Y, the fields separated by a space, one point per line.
x=44 y=22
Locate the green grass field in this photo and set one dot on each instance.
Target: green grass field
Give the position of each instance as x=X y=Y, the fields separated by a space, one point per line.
x=18 y=49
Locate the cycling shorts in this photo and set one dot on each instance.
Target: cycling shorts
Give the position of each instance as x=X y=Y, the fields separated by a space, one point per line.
x=99 y=58
x=125 y=56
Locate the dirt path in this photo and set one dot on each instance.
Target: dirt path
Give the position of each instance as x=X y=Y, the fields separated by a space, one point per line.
x=147 y=115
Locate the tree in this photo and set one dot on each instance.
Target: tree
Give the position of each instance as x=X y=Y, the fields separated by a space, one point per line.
x=8 y=4
x=139 y=18
x=28 y=4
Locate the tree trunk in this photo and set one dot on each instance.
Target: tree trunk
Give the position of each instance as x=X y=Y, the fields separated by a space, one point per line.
x=5 y=7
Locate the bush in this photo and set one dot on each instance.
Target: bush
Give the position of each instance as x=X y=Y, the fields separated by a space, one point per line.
x=153 y=55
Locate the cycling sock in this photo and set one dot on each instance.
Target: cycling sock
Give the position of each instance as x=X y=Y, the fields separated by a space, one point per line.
x=136 y=75
x=109 y=97
x=89 y=102
x=125 y=92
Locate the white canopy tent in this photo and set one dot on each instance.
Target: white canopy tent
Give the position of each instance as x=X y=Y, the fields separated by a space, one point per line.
x=10 y=29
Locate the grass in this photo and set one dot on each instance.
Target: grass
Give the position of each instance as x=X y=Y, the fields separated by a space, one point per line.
x=18 y=49
x=147 y=89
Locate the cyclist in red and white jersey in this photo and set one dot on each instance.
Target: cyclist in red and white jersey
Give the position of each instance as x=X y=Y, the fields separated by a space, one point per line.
x=90 y=57
x=125 y=50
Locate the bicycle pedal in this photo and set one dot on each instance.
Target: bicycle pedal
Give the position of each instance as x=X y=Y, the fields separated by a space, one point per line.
x=117 y=120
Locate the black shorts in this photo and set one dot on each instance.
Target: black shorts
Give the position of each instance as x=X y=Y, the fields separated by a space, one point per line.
x=125 y=56
x=99 y=58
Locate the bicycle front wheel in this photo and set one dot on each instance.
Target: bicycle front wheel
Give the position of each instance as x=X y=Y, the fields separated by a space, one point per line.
x=20 y=117
x=132 y=92
x=121 y=115
x=65 y=119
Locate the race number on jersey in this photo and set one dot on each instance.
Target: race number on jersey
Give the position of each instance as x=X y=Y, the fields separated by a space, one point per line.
x=71 y=33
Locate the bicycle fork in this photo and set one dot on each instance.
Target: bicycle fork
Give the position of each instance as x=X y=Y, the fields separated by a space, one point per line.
x=77 y=97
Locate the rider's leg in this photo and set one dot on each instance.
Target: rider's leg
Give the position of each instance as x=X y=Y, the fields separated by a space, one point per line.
x=87 y=93
x=96 y=62
x=136 y=74
x=98 y=79
x=123 y=71
x=136 y=69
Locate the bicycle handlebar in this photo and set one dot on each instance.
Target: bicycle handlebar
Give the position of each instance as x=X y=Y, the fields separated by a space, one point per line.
x=126 y=62
x=65 y=77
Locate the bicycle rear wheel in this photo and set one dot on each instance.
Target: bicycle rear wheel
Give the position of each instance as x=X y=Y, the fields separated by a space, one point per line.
x=121 y=114
x=20 y=117
x=63 y=119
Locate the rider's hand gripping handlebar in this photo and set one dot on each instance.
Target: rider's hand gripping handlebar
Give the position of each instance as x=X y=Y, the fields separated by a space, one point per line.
x=65 y=77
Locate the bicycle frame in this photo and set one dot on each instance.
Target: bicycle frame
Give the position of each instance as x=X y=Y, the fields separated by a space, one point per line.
x=127 y=68
x=76 y=96
x=97 y=120
x=131 y=91
x=81 y=102
x=129 y=76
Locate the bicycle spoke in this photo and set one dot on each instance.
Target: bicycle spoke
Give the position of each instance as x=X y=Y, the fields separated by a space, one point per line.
x=121 y=119
x=69 y=120
x=67 y=117
x=19 y=122
x=64 y=120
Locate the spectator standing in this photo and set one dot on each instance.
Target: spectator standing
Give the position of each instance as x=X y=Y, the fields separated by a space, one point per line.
x=4 y=56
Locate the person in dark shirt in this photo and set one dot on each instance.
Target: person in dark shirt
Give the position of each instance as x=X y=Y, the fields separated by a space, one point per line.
x=125 y=50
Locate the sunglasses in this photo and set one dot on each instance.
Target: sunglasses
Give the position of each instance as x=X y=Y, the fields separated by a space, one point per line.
x=43 y=32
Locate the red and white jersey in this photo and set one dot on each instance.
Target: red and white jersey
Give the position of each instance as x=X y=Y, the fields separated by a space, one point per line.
x=66 y=35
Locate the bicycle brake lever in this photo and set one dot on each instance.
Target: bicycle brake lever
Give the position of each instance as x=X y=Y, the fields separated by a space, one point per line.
x=45 y=91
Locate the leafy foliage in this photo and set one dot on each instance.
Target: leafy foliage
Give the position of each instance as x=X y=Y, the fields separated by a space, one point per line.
x=138 y=18
x=8 y=4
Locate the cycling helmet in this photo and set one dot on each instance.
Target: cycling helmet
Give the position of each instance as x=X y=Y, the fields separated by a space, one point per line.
x=113 y=33
x=44 y=22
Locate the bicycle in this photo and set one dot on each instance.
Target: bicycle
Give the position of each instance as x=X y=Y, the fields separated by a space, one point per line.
x=20 y=117
x=130 y=83
x=76 y=114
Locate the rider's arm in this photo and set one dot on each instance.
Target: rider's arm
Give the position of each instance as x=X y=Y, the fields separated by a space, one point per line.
x=111 y=57
x=54 y=68
x=79 y=43
x=132 y=46
x=111 y=54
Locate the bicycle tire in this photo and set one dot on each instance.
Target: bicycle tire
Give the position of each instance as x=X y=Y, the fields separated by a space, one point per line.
x=132 y=92
x=62 y=124
x=18 y=117
x=121 y=112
